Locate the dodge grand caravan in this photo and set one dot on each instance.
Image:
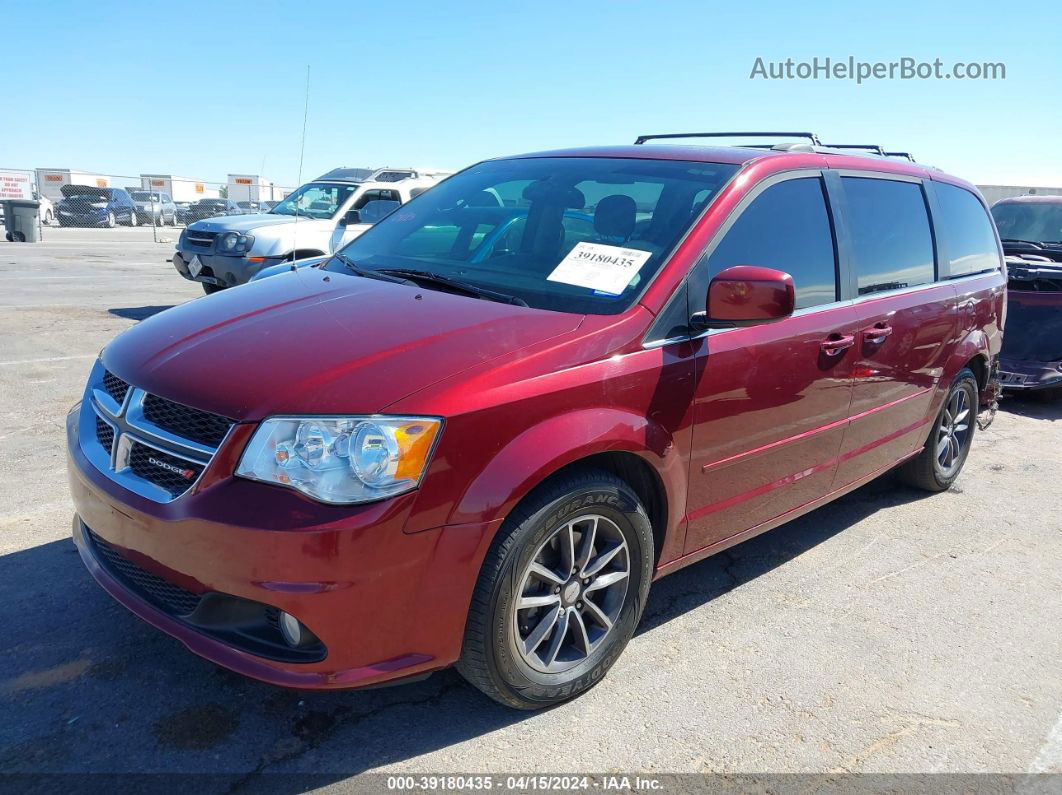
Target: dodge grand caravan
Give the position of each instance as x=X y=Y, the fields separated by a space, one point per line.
x=421 y=454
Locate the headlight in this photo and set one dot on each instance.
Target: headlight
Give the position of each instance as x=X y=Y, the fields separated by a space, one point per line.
x=341 y=459
x=235 y=243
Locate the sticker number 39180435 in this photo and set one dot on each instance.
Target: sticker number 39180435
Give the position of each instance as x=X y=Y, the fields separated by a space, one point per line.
x=608 y=269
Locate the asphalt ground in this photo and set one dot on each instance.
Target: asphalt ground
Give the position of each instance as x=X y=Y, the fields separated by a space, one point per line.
x=888 y=632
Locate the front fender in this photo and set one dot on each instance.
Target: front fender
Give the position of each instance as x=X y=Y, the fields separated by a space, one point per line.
x=563 y=439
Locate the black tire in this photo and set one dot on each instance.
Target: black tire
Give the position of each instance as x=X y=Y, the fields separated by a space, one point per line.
x=210 y=289
x=112 y=220
x=133 y=220
x=926 y=471
x=489 y=658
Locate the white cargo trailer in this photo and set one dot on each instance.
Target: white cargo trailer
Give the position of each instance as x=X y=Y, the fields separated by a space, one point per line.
x=252 y=188
x=51 y=180
x=180 y=189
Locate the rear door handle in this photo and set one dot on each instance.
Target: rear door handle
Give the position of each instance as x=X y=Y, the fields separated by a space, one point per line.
x=837 y=343
x=876 y=334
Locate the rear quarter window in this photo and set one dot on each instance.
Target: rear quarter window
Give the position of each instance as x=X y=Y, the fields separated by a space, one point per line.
x=892 y=245
x=967 y=233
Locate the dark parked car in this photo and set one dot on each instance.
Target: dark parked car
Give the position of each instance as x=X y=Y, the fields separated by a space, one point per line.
x=153 y=207
x=84 y=205
x=250 y=207
x=1031 y=229
x=211 y=208
x=409 y=458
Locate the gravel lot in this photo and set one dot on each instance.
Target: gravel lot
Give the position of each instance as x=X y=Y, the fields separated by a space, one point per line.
x=888 y=632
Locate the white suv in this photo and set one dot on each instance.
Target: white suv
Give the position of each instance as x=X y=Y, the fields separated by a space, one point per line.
x=315 y=220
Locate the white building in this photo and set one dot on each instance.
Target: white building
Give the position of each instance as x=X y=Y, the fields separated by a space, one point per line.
x=180 y=189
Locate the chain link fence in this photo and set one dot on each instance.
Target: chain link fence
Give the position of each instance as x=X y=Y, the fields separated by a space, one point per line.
x=154 y=203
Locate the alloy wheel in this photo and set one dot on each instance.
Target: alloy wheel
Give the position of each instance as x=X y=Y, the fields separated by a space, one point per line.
x=953 y=433
x=571 y=593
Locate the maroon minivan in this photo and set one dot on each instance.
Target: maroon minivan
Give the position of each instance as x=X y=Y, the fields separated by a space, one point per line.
x=477 y=433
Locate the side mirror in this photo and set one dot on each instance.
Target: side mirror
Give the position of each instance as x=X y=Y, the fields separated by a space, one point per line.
x=747 y=295
x=352 y=217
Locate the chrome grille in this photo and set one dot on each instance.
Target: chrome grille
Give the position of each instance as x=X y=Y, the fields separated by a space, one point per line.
x=199 y=426
x=152 y=446
x=104 y=433
x=152 y=588
x=164 y=470
x=115 y=386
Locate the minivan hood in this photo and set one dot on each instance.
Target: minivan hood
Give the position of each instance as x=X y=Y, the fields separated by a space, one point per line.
x=313 y=342
x=247 y=223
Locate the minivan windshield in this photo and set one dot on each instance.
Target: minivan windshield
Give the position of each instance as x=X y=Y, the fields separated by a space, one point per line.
x=569 y=234
x=319 y=200
x=144 y=196
x=1033 y=221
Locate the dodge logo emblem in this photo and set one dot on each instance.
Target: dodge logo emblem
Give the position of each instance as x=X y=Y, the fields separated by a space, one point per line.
x=187 y=474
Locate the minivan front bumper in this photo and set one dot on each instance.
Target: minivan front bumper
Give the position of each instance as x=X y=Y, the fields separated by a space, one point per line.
x=385 y=604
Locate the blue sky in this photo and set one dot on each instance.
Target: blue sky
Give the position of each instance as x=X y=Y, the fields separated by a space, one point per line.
x=204 y=89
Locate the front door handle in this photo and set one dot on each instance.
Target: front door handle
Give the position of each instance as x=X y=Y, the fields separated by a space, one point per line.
x=837 y=343
x=876 y=334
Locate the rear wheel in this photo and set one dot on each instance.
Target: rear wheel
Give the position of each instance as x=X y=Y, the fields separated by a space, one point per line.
x=560 y=593
x=948 y=445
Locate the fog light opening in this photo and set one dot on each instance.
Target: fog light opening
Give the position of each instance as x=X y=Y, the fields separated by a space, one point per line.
x=295 y=634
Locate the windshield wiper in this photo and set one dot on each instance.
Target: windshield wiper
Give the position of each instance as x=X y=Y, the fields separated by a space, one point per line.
x=355 y=268
x=1019 y=240
x=457 y=284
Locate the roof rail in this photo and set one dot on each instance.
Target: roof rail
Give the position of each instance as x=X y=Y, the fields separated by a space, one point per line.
x=906 y=155
x=641 y=139
x=874 y=148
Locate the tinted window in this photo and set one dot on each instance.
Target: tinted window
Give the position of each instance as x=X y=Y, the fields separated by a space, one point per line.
x=891 y=242
x=787 y=228
x=966 y=231
x=1040 y=222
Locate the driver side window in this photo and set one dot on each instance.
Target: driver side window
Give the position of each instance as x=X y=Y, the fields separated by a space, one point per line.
x=788 y=228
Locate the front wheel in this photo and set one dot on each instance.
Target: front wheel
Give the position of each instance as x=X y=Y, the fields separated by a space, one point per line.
x=133 y=220
x=112 y=220
x=560 y=593
x=948 y=445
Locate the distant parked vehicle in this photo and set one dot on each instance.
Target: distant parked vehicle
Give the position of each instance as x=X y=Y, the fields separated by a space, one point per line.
x=153 y=207
x=1031 y=232
x=268 y=205
x=182 y=211
x=211 y=208
x=250 y=208
x=47 y=209
x=315 y=220
x=84 y=205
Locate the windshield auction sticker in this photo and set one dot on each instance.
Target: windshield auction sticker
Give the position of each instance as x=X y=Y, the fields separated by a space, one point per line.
x=608 y=269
